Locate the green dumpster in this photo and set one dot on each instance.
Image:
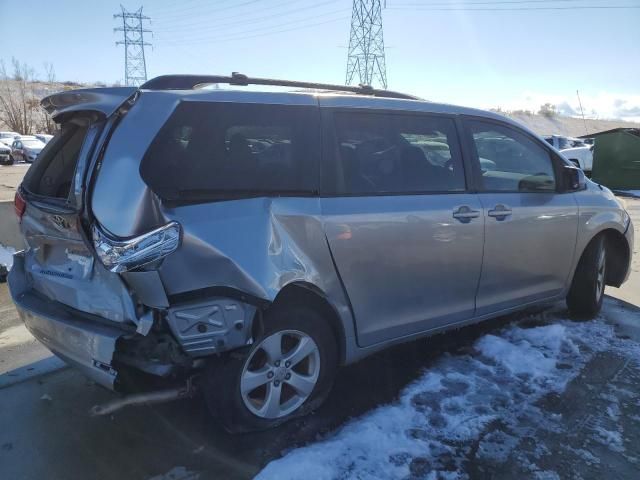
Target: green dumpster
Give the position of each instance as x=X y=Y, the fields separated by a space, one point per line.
x=616 y=158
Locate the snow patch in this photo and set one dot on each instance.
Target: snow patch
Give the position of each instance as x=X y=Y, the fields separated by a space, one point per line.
x=6 y=256
x=487 y=400
x=177 y=473
x=609 y=438
x=630 y=193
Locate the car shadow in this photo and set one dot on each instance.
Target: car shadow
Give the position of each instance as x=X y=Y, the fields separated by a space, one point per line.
x=358 y=388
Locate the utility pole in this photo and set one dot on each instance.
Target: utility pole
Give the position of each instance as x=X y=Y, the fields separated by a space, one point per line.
x=135 y=65
x=582 y=112
x=366 y=60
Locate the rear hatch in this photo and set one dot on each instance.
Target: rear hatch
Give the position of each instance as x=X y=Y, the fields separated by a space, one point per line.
x=59 y=261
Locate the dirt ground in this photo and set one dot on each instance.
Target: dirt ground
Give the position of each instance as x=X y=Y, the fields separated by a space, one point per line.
x=10 y=178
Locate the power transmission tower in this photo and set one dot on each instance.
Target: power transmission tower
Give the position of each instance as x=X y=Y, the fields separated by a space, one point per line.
x=135 y=65
x=366 y=44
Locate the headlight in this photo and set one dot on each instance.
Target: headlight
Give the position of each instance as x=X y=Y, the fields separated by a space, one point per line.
x=125 y=255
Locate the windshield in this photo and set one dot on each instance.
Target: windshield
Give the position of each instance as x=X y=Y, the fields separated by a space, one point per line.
x=33 y=144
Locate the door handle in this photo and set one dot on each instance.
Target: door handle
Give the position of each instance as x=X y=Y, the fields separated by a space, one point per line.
x=465 y=213
x=500 y=212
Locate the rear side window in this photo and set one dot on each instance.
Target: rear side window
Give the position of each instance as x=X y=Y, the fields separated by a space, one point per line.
x=229 y=150
x=511 y=161
x=393 y=154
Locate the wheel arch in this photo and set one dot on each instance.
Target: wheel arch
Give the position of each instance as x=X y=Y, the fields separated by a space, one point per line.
x=308 y=294
x=618 y=253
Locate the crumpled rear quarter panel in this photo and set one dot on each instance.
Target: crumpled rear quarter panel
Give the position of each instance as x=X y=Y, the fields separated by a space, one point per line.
x=254 y=245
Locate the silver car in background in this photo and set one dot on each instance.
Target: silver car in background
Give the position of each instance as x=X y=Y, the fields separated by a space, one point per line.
x=255 y=241
x=26 y=149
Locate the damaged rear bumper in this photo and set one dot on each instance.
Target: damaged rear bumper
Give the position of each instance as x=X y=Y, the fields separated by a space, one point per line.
x=82 y=342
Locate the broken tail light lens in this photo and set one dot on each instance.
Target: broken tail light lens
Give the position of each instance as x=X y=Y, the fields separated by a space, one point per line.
x=19 y=205
x=124 y=255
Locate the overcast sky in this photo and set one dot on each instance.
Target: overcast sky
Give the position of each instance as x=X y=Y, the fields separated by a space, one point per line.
x=490 y=53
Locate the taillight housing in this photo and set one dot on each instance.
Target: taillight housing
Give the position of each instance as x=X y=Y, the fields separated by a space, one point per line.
x=124 y=255
x=19 y=205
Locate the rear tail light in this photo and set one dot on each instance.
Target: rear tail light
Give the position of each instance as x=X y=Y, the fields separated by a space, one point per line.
x=125 y=255
x=19 y=205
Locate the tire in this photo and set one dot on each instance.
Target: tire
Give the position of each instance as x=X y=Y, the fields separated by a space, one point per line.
x=11 y=160
x=587 y=288
x=228 y=383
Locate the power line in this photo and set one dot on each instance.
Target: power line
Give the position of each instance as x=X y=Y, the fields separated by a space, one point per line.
x=366 y=57
x=199 y=10
x=515 y=9
x=135 y=64
x=267 y=28
x=247 y=34
x=208 y=15
x=179 y=7
x=213 y=26
x=483 y=2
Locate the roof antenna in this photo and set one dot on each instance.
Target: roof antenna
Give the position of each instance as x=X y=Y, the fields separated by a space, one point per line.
x=582 y=112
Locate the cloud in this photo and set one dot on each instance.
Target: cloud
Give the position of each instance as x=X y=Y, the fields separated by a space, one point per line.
x=603 y=105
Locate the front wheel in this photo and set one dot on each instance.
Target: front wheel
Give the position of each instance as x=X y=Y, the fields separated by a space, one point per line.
x=287 y=372
x=587 y=288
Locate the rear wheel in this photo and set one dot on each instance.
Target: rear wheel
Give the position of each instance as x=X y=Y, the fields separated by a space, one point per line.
x=287 y=372
x=587 y=289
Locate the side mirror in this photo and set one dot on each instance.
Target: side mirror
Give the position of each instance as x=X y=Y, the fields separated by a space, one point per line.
x=574 y=179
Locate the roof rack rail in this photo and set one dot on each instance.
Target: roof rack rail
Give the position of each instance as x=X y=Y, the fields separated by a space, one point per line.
x=188 y=82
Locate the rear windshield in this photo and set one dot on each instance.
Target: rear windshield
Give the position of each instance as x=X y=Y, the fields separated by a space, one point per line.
x=52 y=173
x=229 y=150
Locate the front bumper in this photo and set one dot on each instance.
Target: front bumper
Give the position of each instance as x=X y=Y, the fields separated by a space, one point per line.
x=78 y=339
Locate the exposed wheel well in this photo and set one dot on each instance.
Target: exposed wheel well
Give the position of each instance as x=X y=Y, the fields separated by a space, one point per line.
x=310 y=296
x=617 y=255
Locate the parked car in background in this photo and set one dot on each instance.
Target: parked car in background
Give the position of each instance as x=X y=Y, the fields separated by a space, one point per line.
x=7 y=138
x=5 y=155
x=255 y=241
x=574 y=149
x=43 y=137
x=26 y=149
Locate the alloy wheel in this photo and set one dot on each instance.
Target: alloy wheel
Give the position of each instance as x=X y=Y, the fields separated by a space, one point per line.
x=280 y=374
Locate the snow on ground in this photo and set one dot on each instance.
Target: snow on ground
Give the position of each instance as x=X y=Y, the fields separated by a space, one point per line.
x=630 y=193
x=480 y=407
x=6 y=256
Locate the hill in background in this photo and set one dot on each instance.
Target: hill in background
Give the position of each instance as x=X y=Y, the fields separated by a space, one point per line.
x=569 y=126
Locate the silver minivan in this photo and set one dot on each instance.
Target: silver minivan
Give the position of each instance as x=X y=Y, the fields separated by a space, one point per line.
x=250 y=242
